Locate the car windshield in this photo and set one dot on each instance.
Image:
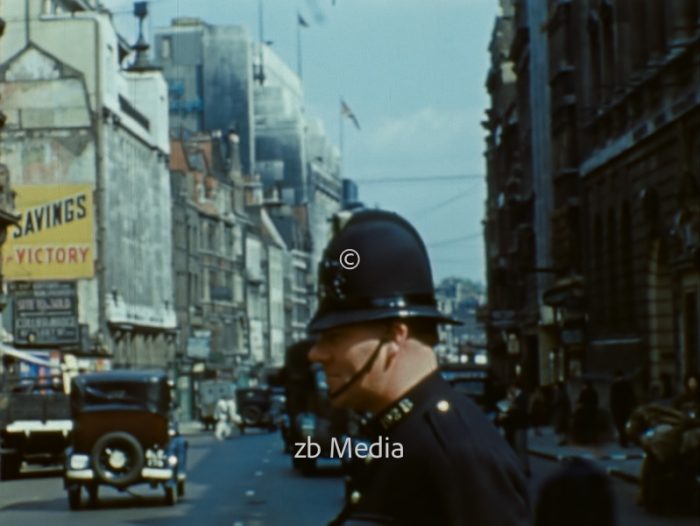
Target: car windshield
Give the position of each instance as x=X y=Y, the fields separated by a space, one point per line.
x=146 y=395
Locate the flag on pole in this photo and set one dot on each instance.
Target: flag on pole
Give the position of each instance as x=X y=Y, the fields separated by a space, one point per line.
x=345 y=111
x=301 y=21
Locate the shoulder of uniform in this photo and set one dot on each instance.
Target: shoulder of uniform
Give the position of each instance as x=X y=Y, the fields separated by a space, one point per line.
x=446 y=417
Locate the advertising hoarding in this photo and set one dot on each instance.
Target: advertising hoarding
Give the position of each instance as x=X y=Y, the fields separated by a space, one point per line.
x=55 y=238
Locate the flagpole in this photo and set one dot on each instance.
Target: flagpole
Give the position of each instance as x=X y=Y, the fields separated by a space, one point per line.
x=342 y=147
x=299 y=49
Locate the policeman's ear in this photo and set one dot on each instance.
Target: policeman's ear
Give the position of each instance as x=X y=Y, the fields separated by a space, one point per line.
x=397 y=335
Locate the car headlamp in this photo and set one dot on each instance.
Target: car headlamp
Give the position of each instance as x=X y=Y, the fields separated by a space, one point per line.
x=172 y=461
x=79 y=462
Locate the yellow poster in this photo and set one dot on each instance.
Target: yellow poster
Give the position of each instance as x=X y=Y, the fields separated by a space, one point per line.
x=54 y=239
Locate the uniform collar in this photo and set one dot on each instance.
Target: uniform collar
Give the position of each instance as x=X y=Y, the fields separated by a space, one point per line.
x=415 y=397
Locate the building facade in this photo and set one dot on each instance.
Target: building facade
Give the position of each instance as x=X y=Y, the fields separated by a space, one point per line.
x=209 y=70
x=623 y=112
x=87 y=143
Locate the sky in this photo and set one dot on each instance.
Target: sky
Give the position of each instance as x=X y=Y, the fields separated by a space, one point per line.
x=413 y=73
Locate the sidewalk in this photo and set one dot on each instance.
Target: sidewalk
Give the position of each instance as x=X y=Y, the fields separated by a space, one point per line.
x=624 y=463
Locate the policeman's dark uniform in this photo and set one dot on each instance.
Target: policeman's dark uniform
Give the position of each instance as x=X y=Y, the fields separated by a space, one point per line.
x=456 y=468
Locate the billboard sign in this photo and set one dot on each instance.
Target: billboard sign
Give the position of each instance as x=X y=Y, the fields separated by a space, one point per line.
x=199 y=345
x=54 y=239
x=45 y=313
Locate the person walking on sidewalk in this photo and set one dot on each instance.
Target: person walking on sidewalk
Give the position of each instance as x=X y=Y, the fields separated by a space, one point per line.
x=537 y=410
x=585 y=416
x=622 y=403
x=515 y=424
x=561 y=412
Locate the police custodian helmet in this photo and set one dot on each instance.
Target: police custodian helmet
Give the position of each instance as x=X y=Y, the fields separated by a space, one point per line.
x=385 y=274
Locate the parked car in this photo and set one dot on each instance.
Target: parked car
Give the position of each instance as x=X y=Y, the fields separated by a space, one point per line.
x=123 y=435
x=35 y=424
x=670 y=437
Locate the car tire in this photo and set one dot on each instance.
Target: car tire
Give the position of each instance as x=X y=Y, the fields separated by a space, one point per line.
x=116 y=475
x=74 y=498
x=10 y=466
x=94 y=495
x=251 y=415
x=181 y=488
x=171 y=495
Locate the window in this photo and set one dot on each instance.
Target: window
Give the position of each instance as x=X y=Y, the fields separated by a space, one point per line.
x=627 y=255
x=165 y=47
x=613 y=307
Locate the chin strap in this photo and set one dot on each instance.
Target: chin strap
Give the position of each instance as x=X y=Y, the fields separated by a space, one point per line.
x=359 y=374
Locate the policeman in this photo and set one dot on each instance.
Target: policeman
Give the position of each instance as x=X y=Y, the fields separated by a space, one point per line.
x=376 y=325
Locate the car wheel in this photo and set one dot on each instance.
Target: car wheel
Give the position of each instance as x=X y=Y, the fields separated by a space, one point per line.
x=9 y=466
x=74 y=498
x=251 y=415
x=117 y=459
x=94 y=493
x=170 y=495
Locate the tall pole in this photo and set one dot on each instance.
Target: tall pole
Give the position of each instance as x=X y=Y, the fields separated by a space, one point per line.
x=341 y=124
x=261 y=68
x=299 y=70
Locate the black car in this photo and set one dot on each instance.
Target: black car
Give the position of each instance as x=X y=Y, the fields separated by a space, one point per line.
x=123 y=435
x=257 y=407
x=476 y=382
x=310 y=414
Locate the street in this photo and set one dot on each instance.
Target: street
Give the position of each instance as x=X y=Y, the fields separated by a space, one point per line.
x=244 y=481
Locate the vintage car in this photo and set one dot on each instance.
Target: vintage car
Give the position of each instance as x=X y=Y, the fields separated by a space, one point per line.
x=35 y=424
x=310 y=415
x=669 y=434
x=476 y=382
x=123 y=435
x=257 y=407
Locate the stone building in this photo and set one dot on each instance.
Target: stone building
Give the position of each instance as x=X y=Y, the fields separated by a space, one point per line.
x=209 y=225
x=87 y=144
x=209 y=70
x=624 y=114
x=7 y=198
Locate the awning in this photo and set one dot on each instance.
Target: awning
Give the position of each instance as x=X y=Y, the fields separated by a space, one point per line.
x=26 y=356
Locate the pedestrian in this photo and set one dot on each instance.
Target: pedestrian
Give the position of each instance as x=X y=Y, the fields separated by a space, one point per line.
x=515 y=424
x=586 y=413
x=221 y=414
x=376 y=325
x=622 y=403
x=689 y=399
x=561 y=412
x=537 y=409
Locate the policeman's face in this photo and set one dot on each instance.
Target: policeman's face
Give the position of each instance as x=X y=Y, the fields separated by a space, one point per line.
x=343 y=352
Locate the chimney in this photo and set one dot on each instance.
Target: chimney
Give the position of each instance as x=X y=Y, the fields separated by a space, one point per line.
x=235 y=171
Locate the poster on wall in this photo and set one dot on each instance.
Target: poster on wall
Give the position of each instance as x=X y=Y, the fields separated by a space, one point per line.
x=45 y=313
x=55 y=236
